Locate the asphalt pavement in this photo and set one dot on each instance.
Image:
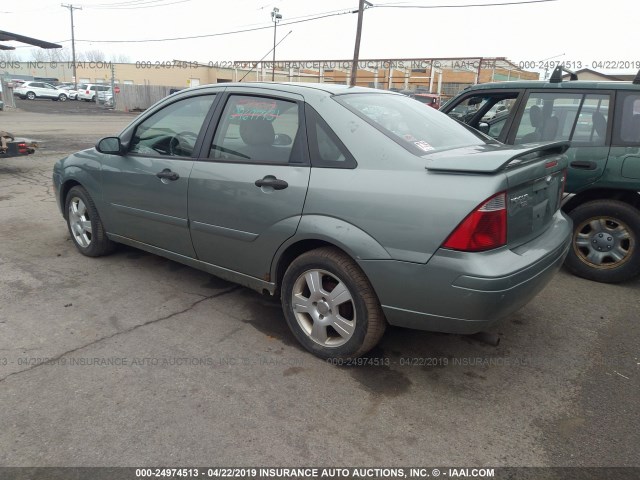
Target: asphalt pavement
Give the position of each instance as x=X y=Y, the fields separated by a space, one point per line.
x=133 y=360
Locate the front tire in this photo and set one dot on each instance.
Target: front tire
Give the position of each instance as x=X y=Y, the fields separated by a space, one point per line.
x=85 y=225
x=62 y=98
x=605 y=241
x=330 y=305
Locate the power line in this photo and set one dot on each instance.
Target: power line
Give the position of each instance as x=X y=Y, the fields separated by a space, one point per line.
x=469 y=5
x=218 y=34
x=121 y=4
x=139 y=6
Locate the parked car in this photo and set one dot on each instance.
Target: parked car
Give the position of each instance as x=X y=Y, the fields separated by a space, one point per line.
x=356 y=207
x=33 y=90
x=602 y=122
x=68 y=89
x=495 y=111
x=106 y=97
x=88 y=93
x=430 y=99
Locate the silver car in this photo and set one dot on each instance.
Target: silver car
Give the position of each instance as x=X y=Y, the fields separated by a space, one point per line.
x=36 y=89
x=358 y=208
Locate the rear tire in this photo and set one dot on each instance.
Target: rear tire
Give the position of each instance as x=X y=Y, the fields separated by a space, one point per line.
x=330 y=305
x=31 y=96
x=604 y=246
x=85 y=225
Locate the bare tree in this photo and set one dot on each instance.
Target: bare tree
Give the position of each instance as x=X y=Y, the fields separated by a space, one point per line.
x=58 y=54
x=38 y=55
x=121 y=58
x=94 y=56
x=8 y=56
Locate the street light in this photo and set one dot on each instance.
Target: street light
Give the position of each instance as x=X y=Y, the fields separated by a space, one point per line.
x=275 y=18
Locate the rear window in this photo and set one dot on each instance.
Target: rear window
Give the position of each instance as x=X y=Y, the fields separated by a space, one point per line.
x=420 y=130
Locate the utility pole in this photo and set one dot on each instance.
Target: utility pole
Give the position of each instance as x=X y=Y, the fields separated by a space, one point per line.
x=275 y=17
x=356 y=52
x=73 y=43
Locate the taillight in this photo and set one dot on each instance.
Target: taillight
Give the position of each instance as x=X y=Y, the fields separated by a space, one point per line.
x=88 y=92
x=483 y=229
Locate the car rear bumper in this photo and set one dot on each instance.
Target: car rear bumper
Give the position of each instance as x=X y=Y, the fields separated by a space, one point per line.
x=460 y=292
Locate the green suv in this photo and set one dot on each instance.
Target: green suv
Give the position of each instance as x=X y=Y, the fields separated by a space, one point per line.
x=602 y=122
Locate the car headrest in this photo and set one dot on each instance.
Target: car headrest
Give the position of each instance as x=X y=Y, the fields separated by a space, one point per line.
x=257 y=131
x=535 y=114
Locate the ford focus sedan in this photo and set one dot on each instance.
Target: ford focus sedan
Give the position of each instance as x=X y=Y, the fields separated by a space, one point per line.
x=358 y=208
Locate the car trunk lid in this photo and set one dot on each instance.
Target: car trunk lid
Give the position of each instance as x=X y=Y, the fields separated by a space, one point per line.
x=535 y=176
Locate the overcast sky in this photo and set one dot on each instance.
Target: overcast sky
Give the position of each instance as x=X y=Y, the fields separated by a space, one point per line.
x=575 y=30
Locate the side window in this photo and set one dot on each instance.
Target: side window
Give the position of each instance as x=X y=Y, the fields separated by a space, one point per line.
x=582 y=119
x=466 y=110
x=172 y=131
x=496 y=125
x=258 y=130
x=591 y=127
x=325 y=147
x=548 y=117
x=627 y=124
x=491 y=108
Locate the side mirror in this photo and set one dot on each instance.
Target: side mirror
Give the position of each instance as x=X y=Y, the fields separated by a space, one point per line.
x=483 y=127
x=109 y=145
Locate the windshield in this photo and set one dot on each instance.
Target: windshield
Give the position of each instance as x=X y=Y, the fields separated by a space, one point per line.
x=420 y=130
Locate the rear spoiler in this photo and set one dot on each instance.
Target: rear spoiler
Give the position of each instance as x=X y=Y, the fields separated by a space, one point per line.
x=493 y=158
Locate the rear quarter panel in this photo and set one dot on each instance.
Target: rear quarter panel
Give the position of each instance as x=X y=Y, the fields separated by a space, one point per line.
x=390 y=195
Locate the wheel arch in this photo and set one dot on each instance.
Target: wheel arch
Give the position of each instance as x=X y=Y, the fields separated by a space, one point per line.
x=627 y=196
x=316 y=231
x=73 y=176
x=64 y=191
x=293 y=251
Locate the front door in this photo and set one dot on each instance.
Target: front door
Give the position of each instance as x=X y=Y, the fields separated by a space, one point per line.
x=146 y=189
x=246 y=198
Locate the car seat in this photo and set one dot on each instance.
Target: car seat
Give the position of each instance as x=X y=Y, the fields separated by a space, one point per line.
x=259 y=136
x=535 y=116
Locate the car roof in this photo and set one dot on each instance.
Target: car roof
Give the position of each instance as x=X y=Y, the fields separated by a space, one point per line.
x=298 y=87
x=542 y=84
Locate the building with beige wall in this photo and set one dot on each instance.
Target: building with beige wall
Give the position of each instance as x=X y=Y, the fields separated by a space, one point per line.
x=445 y=76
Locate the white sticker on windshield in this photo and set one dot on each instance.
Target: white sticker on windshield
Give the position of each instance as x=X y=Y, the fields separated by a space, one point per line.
x=424 y=146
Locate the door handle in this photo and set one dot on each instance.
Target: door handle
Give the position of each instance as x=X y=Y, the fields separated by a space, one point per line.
x=271 y=181
x=168 y=174
x=584 y=165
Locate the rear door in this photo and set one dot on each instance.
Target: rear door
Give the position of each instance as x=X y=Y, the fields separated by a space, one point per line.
x=623 y=169
x=581 y=117
x=247 y=197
